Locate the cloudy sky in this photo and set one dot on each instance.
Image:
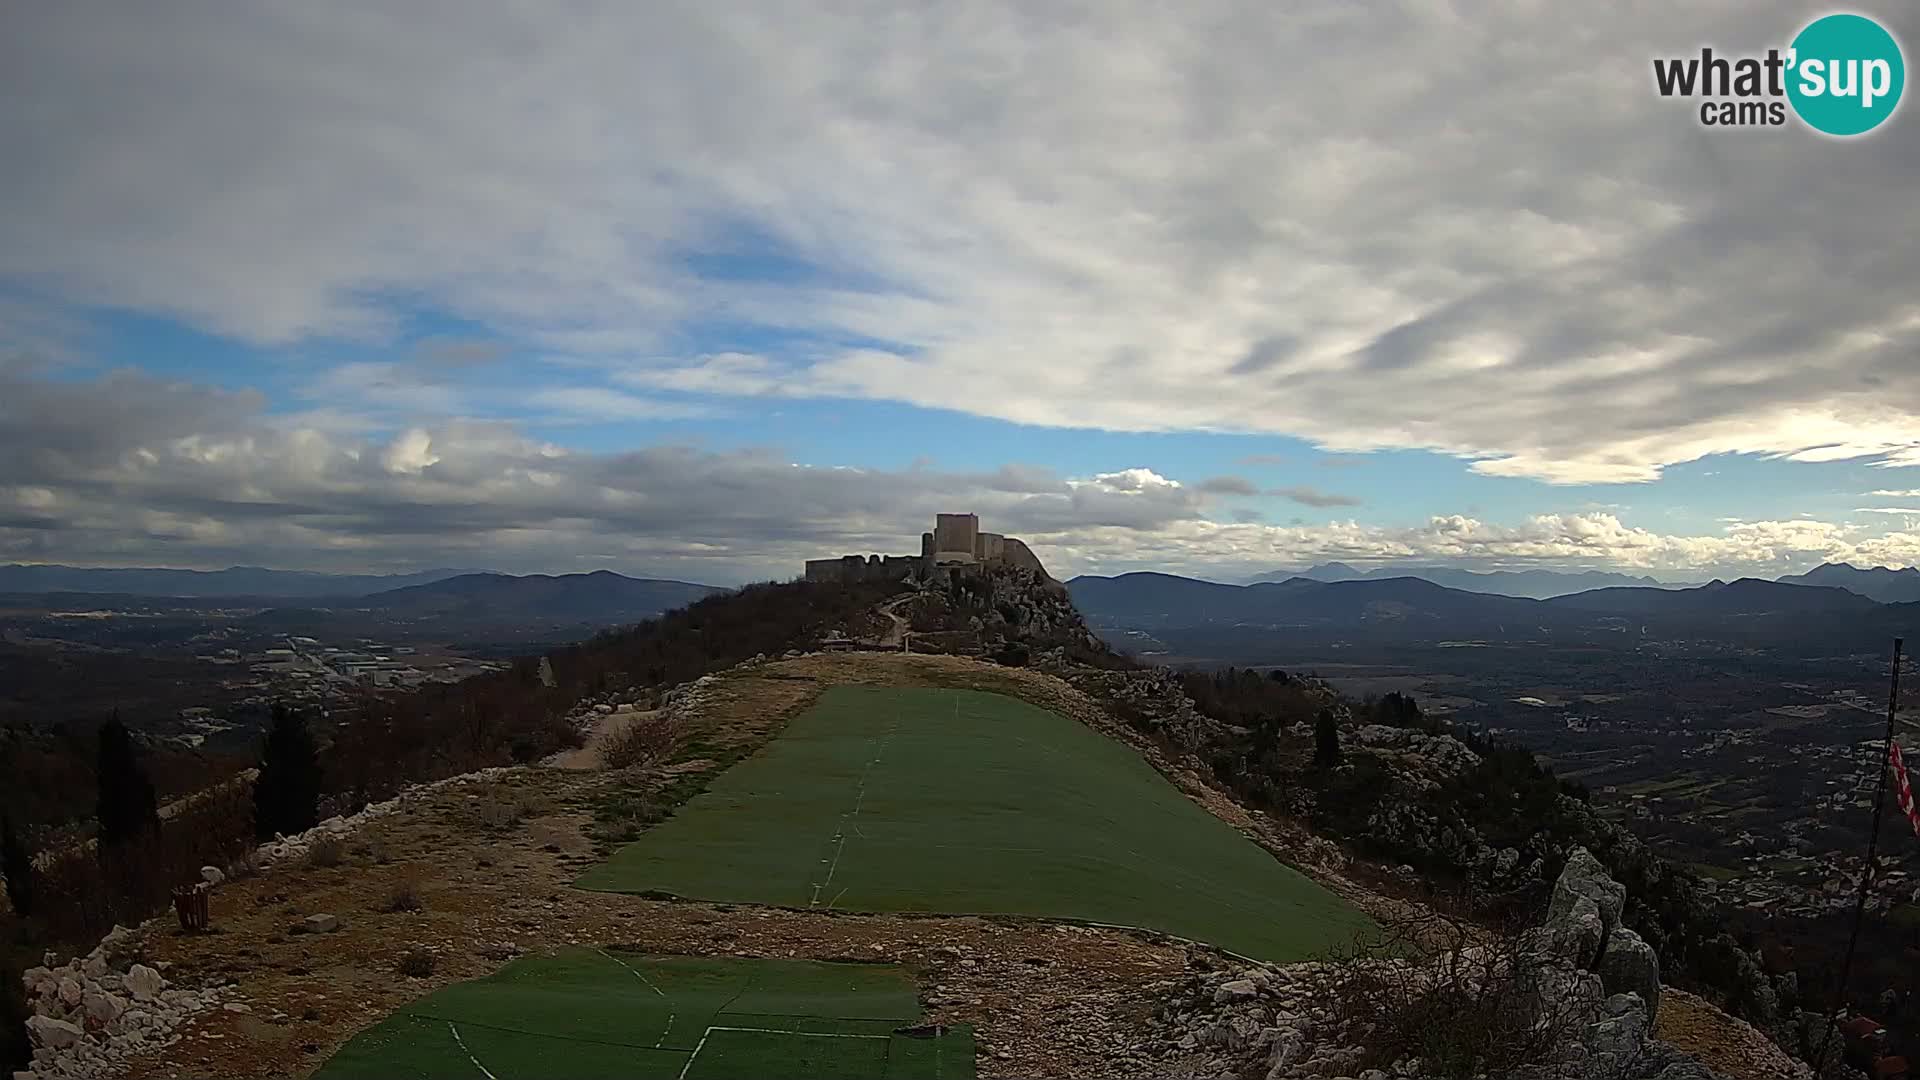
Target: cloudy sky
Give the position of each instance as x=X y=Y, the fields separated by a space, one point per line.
x=699 y=290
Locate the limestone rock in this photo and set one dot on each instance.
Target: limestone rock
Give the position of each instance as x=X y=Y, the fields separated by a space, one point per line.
x=1585 y=877
x=69 y=991
x=52 y=1034
x=102 y=1007
x=1629 y=965
x=319 y=924
x=144 y=983
x=212 y=875
x=1235 y=990
x=1576 y=937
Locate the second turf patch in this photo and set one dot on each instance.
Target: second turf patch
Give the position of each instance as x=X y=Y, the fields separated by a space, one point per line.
x=962 y=802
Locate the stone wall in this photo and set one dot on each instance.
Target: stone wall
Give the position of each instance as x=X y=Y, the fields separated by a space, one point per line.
x=1019 y=555
x=852 y=568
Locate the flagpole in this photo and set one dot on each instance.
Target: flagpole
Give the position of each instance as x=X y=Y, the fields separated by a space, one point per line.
x=1866 y=871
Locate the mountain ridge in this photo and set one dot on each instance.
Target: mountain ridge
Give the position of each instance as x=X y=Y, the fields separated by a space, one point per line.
x=1525 y=584
x=232 y=581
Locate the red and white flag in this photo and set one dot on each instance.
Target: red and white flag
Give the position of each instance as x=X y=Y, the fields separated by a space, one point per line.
x=1903 y=792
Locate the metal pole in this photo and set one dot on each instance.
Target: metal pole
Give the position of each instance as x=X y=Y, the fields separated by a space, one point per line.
x=1867 y=871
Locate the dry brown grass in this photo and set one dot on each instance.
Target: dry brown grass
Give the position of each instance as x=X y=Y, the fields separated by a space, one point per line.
x=405 y=895
x=640 y=743
x=325 y=852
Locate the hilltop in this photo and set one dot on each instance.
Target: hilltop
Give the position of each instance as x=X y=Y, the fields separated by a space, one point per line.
x=1410 y=814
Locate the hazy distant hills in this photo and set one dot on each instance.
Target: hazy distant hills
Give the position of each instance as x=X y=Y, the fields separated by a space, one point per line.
x=1879 y=583
x=1534 y=584
x=234 y=581
x=1147 y=599
x=602 y=596
x=456 y=601
x=1747 y=596
x=1408 y=607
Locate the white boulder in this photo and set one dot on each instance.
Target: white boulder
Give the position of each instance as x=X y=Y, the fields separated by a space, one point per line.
x=52 y=1034
x=144 y=983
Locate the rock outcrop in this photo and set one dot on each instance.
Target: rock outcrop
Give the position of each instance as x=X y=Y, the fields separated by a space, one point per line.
x=1584 y=977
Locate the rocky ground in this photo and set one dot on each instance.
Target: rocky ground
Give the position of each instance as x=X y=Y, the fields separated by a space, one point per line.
x=470 y=874
x=1580 y=994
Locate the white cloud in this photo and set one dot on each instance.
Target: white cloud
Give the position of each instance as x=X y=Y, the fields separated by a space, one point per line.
x=599 y=403
x=1372 y=226
x=124 y=468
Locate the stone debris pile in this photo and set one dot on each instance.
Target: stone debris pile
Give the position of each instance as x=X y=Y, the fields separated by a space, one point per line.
x=94 y=1013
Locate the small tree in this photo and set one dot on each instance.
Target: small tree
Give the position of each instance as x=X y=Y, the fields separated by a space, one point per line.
x=1326 y=740
x=126 y=806
x=17 y=863
x=286 y=797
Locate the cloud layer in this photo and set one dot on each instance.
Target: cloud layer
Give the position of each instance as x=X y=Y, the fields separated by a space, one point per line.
x=1468 y=228
x=128 y=469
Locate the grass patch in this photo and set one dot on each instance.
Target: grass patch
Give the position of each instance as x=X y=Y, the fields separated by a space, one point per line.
x=623 y=1014
x=963 y=802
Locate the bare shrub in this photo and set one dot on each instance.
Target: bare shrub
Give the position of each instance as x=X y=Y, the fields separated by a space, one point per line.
x=405 y=896
x=244 y=865
x=502 y=806
x=1465 y=999
x=326 y=851
x=415 y=963
x=642 y=742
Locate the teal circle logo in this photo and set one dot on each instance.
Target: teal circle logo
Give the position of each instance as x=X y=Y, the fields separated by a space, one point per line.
x=1846 y=74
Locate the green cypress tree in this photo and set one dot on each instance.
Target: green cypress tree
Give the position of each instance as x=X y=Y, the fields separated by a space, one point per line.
x=286 y=797
x=16 y=862
x=126 y=806
x=1326 y=740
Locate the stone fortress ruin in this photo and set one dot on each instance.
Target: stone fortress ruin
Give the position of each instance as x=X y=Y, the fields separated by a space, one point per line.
x=956 y=543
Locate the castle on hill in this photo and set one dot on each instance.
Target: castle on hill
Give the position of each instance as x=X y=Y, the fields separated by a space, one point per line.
x=956 y=543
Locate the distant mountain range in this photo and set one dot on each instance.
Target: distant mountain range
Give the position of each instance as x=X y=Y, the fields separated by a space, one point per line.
x=293 y=597
x=601 y=596
x=234 y=581
x=1900 y=586
x=1409 y=607
x=1877 y=583
x=1534 y=584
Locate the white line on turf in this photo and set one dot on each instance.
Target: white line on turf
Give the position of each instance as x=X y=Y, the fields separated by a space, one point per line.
x=697 y=1047
x=671 y=1015
x=853 y=817
x=469 y=1053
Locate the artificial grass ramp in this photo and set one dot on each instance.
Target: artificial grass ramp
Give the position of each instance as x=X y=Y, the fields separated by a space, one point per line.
x=595 y=1013
x=963 y=802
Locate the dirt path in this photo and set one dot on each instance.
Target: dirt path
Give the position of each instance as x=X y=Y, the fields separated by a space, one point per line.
x=897 y=632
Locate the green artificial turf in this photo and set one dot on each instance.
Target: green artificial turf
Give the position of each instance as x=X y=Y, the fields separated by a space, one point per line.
x=961 y=802
x=594 y=1013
